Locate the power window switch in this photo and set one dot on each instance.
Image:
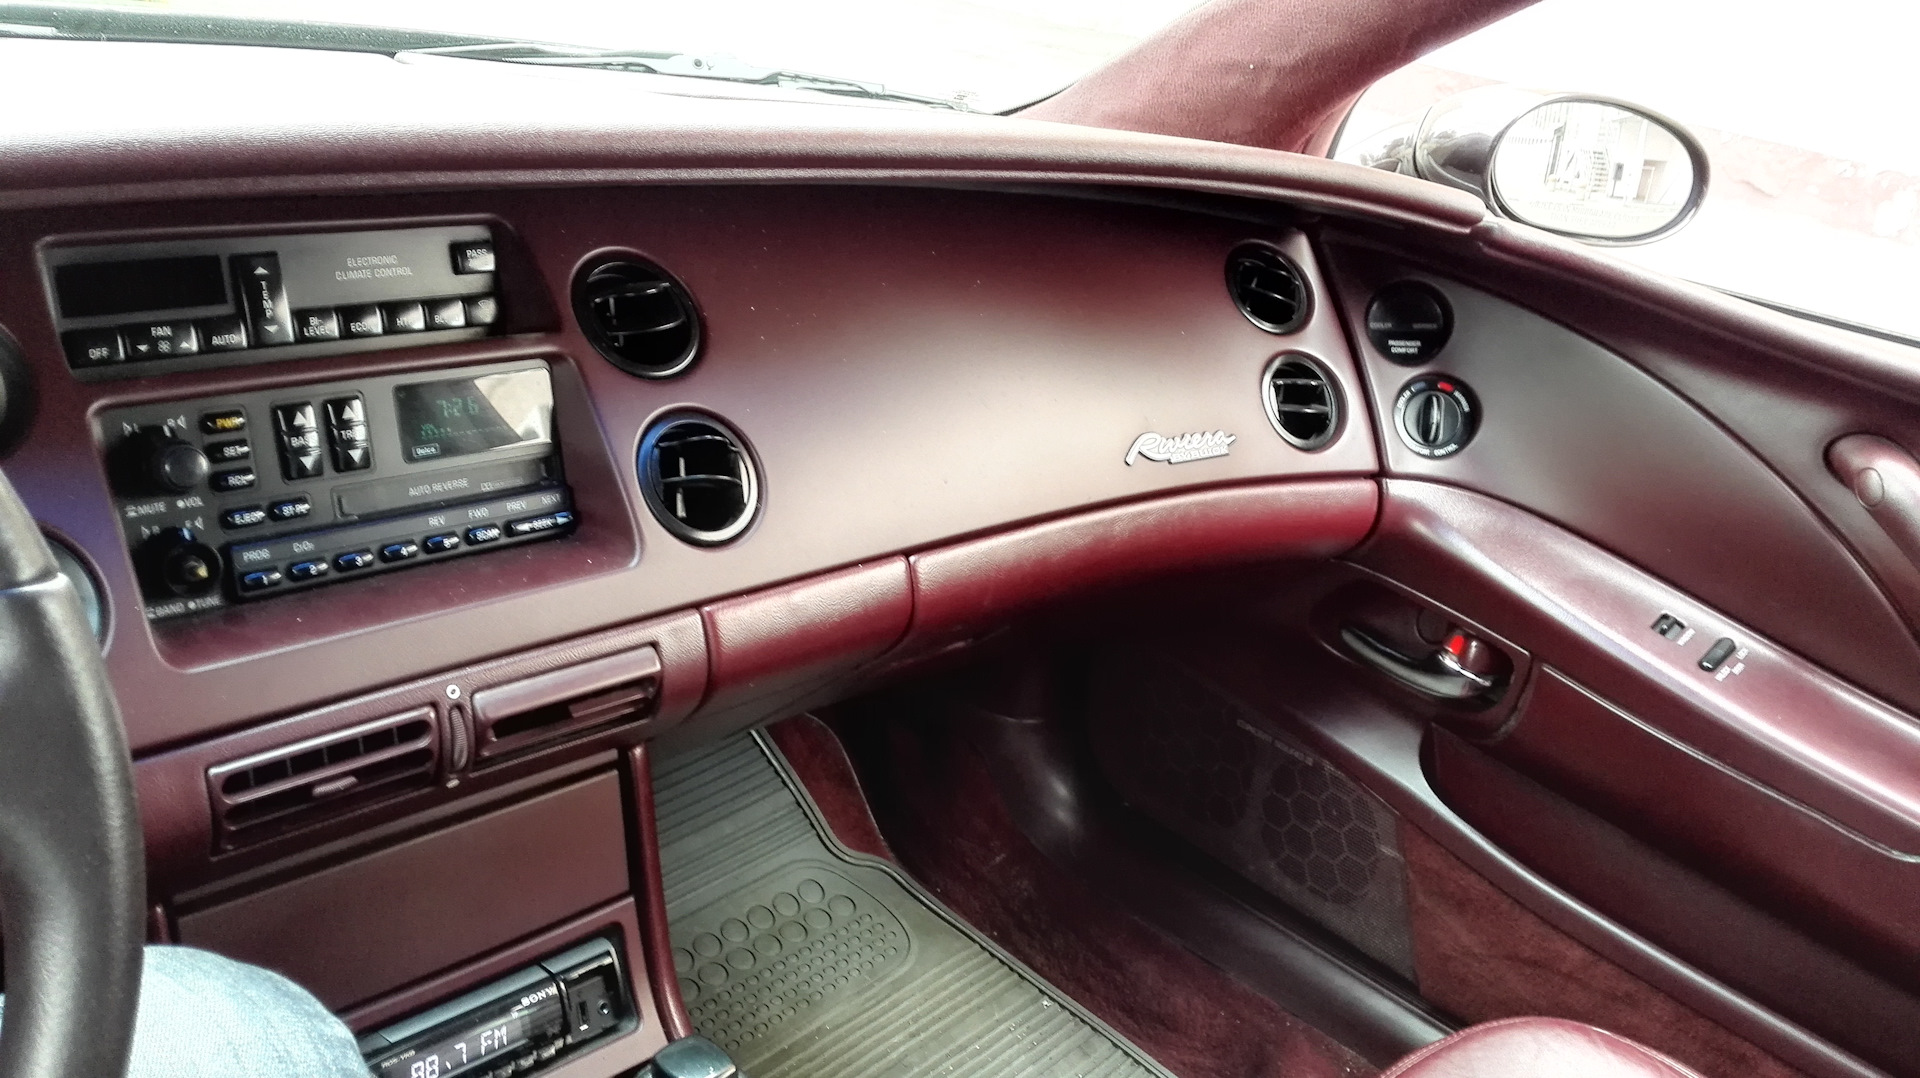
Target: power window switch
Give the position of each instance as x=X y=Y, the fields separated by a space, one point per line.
x=1672 y=628
x=1718 y=654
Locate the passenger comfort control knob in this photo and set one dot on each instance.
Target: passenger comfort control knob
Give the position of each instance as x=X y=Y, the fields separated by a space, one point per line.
x=174 y=563
x=156 y=461
x=1436 y=415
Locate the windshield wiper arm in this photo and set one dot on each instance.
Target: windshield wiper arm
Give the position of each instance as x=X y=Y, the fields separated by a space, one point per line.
x=683 y=65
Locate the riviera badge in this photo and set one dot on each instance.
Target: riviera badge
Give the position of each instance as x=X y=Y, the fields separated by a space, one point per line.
x=1181 y=448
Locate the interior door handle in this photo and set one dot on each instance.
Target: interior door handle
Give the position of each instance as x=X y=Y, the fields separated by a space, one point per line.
x=1443 y=674
x=1886 y=479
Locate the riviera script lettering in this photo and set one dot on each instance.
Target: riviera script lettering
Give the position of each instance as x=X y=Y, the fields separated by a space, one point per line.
x=1181 y=448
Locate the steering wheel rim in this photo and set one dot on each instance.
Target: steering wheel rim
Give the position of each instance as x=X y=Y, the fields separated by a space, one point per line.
x=72 y=864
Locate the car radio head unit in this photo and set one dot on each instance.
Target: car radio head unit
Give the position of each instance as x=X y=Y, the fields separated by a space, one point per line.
x=513 y=1026
x=242 y=497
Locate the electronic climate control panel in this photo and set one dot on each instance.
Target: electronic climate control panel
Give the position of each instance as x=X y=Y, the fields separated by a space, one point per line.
x=136 y=309
x=235 y=498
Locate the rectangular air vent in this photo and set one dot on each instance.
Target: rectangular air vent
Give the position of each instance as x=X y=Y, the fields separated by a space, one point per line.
x=565 y=703
x=275 y=792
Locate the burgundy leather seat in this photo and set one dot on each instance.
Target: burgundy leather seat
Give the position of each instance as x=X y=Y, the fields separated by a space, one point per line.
x=1536 y=1048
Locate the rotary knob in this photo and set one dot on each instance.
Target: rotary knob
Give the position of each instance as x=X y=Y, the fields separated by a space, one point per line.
x=174 y=563
x=1436 y=415
x=157 y=461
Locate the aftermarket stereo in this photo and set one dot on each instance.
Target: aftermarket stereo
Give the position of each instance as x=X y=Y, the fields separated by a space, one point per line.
x=244 y=497
x=514 y=1026
x=135 y=309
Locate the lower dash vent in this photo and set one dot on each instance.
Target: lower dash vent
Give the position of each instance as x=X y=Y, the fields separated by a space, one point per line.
x=273 y=793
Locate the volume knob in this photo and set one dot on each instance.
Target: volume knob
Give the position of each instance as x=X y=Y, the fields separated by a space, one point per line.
x=156 y=461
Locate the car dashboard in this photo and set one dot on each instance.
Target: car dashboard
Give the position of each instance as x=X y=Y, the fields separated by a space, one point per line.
x=438 y=438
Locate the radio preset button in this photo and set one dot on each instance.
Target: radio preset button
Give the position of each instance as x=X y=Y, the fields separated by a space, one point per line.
x=224 y=334
x=409 y=317
x=246 y=516
x=263 y=296
x=95 y=347
x=400 y=551
x=362 y=320
x=309 y=570
x=483 y=533
x=473 y=256
x=260 y=579
x=231 y=421
x=482 y=311
x=446 y=313
x=228 y=452
x=291 y=508
x=357 y=559
x=317 y=324
x=440 y=544
x=545 y=523
x=236 y=479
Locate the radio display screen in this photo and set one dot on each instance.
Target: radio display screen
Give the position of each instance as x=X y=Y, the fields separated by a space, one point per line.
x=459 y=417
x=454 y=1054
x=89 y=289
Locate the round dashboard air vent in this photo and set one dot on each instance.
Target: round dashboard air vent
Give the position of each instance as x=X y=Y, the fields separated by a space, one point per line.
x=1303 y=403
x=639 y=317
x=698 y=479
x=1268 y=288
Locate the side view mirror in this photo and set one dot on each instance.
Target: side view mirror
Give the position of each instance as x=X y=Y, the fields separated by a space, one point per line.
x=1588 y=167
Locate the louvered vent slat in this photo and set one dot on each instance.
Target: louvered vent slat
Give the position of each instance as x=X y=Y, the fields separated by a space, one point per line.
x=699 y=479
x=1268 y=288
x=1302 y=401
x=639 y=317
x=273 y=793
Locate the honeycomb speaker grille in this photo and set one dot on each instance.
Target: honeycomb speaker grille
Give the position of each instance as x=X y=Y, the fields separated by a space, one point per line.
x=1303 y=401
x=1220 y=775
x=639 y=317
x=1268 y=288
x=698 y=479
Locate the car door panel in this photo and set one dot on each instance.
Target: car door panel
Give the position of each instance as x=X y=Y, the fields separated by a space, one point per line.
x=1575 y=432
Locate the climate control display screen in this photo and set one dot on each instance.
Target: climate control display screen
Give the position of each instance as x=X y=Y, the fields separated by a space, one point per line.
x=461 y=416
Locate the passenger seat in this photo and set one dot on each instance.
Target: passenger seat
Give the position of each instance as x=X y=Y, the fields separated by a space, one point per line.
x=1536 y=1048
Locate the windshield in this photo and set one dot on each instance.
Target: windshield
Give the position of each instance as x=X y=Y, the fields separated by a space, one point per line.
x=990 y=55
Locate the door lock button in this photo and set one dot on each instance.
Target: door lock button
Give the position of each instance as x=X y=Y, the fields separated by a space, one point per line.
x=1718 y=654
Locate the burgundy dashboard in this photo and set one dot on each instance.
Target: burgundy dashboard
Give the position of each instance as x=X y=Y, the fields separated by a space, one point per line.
x=426 y=474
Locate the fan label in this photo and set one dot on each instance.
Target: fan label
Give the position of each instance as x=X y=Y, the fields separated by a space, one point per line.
x=1181 y=448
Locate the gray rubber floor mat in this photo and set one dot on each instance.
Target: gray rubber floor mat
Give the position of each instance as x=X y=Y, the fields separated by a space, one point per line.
x=804 y=960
